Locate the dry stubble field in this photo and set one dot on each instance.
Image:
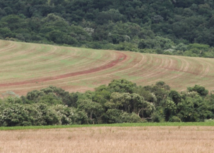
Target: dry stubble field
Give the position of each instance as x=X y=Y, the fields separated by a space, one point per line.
x=110 y=140
x=27 y=66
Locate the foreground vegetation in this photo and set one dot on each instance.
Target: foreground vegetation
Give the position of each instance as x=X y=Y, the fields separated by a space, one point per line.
x=147 y=124
x=120 y=102
x=164 y=27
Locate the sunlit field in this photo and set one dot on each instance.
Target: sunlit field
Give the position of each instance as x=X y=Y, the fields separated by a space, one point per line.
x=162 y=139
x=27 y=66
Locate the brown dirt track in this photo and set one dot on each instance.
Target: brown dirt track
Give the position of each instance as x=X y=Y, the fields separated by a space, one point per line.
x=40 y=80
x=110 y=140
x=25 y=67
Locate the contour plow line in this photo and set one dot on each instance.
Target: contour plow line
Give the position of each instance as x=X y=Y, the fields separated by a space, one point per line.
x=120 y=58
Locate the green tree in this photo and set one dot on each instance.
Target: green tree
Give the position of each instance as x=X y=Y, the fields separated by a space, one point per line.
x=199 y=89
x=92 y=109
x=122 y=85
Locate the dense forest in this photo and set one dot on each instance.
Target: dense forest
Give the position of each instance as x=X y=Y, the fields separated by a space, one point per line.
x=120 y=101
x=173 y=27
x=156 y=26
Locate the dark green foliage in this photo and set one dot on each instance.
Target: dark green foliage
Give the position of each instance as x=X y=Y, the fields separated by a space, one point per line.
x=121 y=101
x=164 y=27
x=112 y=116
x=175 y=96
x=157 y=117
x=130 y=118
x=175 y=119
x=122 y=85
x=199 y=89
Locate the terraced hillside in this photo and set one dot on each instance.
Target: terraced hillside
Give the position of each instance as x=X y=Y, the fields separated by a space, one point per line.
x=26 y=66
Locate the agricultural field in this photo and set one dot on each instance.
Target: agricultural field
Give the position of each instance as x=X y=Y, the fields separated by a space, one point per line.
x=27 y=66
x=161 y=139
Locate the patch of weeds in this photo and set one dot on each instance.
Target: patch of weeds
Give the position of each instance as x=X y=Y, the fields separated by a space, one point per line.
x=20 y=137
x=69 y=137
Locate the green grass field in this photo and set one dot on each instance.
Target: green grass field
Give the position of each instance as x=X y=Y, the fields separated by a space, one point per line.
x=27 y=66
x=111 y=125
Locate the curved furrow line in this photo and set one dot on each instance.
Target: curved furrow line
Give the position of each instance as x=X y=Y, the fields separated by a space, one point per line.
x=48 y=70
x=200 y=67
x=148 y=67
x=123 y=66
x=55 y=82
x=15 y=69
x=41 y=86
x=11 y=46
x=9 y=51
x=24 y=57
x=196 y=67
x=80 y=64
x=9 y=60
x=62 y=68
x=23 y=54
x=52 y=58
x=27 y=64
x=205 y=75
x=164 y=70
x=93 y=62
x=161 y=73
x=188 y=69
x=109 y=65
x=99 y=76
x=84 y=69
x=63 y=81
x=153 y=69
x=182 y=71
x=208 y=68
x=179 y=65
x=4 y=44
x=144 y=63
x=191 y=73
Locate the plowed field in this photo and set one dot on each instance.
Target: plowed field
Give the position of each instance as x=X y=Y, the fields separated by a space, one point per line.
x=27 y=66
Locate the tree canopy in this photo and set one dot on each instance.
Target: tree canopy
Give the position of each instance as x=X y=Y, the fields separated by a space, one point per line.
x=121 y=101
x=164 y=27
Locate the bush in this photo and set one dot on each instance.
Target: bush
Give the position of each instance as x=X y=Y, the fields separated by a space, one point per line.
x=175 y=119
x=113 y=116
x=130 y=118
x=199 y=89
x=209 y=120
x=157 y=117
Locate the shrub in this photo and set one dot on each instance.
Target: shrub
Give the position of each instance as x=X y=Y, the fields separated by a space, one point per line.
x=175 y=119
x=130 y=118
x=157 y=117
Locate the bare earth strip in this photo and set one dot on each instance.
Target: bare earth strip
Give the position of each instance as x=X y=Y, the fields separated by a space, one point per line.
x=25 y=67
x=110 y=140
x=109 y=65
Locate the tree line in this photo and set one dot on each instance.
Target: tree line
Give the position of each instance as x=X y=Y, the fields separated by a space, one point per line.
x=166 y=27
x=120 y=101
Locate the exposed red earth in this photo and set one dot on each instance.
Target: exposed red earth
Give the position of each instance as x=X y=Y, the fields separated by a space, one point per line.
x=25 y=67
x=120 y=57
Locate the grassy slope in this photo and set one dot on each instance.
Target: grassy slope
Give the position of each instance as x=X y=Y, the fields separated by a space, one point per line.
x=31 y=62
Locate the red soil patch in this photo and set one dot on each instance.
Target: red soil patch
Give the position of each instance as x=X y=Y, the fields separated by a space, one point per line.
x=120 y=57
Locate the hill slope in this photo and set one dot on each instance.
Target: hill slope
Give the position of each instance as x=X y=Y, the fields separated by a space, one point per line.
x=135 y=25
x=26 y=66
